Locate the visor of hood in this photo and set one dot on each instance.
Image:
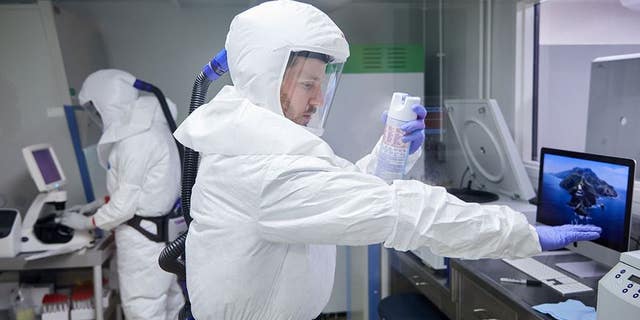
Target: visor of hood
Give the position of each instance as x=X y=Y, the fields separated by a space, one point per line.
x=308 y=87
x=261 y=39
x=111 y=91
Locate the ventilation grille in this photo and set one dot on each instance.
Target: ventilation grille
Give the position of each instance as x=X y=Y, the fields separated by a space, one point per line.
x=385 y=59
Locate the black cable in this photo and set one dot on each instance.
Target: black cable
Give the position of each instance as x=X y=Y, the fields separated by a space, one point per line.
x=462 y=178
x=172 y=259
x=164 y=106
x=637 y=241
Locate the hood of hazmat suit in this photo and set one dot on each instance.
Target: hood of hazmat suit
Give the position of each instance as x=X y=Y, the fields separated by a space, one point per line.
x=272 y=200
x=143 y=178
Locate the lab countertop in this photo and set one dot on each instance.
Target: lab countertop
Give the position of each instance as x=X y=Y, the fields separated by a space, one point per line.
x=489 y=272
x=90 y=257
x=444 y=292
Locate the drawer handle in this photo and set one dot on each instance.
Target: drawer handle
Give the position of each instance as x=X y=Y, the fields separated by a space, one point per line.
x=483 y=310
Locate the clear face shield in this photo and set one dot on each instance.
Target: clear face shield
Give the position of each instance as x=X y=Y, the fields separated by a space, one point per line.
x=308 y=88
x=93 y=114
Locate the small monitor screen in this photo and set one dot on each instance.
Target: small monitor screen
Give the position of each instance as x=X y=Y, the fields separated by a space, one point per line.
x=47 y=165
x=7 y=219
x=577 y=188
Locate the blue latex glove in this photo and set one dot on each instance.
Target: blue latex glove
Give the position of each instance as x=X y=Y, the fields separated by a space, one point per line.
x=413 y=130
x=552 y=238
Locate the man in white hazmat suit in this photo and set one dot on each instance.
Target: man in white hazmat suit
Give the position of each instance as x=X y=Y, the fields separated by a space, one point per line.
x=271 y=199
x=143 y=178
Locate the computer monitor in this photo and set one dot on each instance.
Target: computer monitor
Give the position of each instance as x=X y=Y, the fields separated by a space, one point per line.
x=582 y=188
x=614 y=97
x=44 y=167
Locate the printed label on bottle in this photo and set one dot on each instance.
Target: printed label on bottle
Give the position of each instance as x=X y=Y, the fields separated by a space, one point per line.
x=392 y=156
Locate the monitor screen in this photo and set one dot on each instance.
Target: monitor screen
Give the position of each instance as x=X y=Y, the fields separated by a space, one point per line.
x=46 y=165
x=580 y=188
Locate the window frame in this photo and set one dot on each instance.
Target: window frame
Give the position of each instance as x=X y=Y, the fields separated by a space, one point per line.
x=526 y=47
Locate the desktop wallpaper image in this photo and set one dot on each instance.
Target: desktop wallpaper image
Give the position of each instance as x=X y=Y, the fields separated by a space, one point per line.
x=578 y=191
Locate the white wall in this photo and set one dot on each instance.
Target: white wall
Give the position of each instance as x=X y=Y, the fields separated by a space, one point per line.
x=82 y=46
x=582 y=22
x=161 y=42
x=503 y=60
x=461 y=49
x=480 y=62
x=565 y=72
x=167 y=44
x=572 y=34
x=380 y=22
x=33 y=88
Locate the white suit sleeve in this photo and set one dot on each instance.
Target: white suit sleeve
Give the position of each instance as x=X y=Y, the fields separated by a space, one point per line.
x=368 y=163
x=429 y=216
x=306 y=201
x=131 y=165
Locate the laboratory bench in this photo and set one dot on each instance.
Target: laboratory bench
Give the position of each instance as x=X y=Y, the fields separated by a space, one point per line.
x=472 y=289
x=94 y=257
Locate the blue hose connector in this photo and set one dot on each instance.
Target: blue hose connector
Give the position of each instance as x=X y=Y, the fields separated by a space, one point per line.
x=141 y=85
x=217 y=66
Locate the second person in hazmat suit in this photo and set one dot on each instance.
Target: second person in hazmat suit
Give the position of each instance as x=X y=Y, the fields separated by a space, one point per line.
x=272 y=200
x=143 y=178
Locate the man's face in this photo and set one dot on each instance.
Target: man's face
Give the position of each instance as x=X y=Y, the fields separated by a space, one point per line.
x=301 y=91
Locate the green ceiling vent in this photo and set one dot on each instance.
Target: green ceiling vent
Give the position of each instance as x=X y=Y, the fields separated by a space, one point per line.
x=385 y=59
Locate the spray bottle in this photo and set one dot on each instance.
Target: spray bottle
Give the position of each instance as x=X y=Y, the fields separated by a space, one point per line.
x=393 y=153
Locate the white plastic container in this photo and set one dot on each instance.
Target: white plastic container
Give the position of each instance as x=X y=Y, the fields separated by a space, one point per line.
x=393 y=153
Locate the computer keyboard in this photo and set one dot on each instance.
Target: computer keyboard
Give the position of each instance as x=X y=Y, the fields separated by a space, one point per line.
x=549 y=276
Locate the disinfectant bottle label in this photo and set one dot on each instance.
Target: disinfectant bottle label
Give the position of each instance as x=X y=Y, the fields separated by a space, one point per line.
x=392 y=156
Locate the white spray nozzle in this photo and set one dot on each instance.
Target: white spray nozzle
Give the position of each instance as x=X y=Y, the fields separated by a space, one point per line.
x=397 y=100
x=401 y=107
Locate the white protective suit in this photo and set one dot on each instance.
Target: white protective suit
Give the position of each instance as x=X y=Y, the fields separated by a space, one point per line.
x=271 y=200
x=143 y=178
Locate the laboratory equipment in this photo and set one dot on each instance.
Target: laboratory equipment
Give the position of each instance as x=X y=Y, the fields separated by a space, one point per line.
x=489 y=151
x=392 y=157
x=495 y=170
x=612 y=123
x=10 y=232
x=40 y=232
x=55 y=306
x=582 y=188
x=82 y=306
x=619 y=290
x=21 y=306
x=555 y=279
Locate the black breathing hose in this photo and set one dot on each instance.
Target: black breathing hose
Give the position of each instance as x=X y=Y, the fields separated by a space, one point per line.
x=172 y=257
x=148 y=87
x=190 y=170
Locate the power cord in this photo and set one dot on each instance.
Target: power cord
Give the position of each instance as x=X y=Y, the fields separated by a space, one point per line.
x=637 y=241
x=464 y=174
